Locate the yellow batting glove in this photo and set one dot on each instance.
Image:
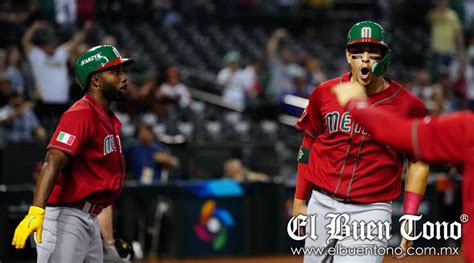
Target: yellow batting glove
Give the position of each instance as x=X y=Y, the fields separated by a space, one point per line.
x=33 y=222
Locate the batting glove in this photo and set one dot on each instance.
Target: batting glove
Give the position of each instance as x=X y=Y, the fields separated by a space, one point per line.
x=33 y=222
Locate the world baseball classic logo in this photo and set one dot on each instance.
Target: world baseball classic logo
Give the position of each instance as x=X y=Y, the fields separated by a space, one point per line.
x=213 y=225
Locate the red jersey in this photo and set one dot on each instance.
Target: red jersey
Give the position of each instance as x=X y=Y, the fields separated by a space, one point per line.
x=344 y=159
x=96 y=169
x=448 y=138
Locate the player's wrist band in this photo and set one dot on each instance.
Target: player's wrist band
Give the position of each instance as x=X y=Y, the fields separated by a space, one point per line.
x=303 y=155
x=412 y=202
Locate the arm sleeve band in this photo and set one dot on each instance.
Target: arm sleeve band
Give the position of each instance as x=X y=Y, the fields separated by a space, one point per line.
x=411 y=203
x=303 y=185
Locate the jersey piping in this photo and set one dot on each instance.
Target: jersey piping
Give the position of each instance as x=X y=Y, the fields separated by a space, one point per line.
x=360 y=147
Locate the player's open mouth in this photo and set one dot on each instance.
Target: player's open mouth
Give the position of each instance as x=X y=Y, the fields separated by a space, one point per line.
x=364 y=73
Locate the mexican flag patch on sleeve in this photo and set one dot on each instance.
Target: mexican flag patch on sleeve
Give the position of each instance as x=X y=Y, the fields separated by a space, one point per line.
x=66 y=138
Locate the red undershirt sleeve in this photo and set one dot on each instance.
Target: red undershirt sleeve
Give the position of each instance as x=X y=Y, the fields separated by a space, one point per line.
x=385 y=127
x=438 y=139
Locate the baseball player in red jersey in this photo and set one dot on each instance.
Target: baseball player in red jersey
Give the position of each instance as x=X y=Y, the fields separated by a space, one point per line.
x=348 y=171
x=448 y=138
x=83 y=171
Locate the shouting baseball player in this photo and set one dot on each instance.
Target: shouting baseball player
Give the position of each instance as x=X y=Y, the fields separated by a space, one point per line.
x=346 y=169
x=447 y=138
x=83 y=171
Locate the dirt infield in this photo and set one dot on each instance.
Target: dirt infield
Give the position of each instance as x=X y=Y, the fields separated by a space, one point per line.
x=290 y=259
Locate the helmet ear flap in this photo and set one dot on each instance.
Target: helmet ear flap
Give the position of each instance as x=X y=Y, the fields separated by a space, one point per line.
x=380 y=67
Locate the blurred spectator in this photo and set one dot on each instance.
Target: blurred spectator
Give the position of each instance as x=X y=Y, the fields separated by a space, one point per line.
x=314 y=73
x=86 y=10
x=234 y=169
x=66 y=14
x=469 y=74
x=109 y=40
x=437 y=104
x=432 y=94
x=49 y=66
x=444 y=99
x=14 y=16
x=319 y=3
x=141 y=97
x=446 y=36
x=298 y=89
x=147 y=158
x=469 y=9
x=15 y=70
x=202 y=10
x=254 y=91
x=5 y=89
x=3 y=67
x=231 y=78
x=19 y=123
x=422 y=86
x=148 y=162
x=173 y=89
x=288 y=7
x=279 y=60
x=465 y=70
x=165 y=13
x=10 y=12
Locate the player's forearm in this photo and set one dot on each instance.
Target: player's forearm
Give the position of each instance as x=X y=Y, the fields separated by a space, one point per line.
x=386 y=127
x=415 y=186
x=417 y=177
x=106 y=225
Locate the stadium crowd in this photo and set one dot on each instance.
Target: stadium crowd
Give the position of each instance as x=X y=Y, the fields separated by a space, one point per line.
x=259 y=70
x=197 y=59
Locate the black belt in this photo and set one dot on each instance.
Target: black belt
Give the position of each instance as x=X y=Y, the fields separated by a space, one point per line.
x=342 y=200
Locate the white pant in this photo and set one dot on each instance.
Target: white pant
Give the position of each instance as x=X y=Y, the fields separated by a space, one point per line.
x=321 y=205
x=70 y=235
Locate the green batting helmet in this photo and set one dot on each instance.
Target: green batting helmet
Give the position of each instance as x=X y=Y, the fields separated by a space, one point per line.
x=97 y=59
x=371 y=32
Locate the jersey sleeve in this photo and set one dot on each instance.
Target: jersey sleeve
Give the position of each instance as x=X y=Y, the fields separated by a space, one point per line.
x=310 y=121
x=442 y=139
x=74 y=130
x=418 y=109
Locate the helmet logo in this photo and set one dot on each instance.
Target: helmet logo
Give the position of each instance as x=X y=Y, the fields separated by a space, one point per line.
x=95 y=57
x=89 y=59
x=366 y=32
